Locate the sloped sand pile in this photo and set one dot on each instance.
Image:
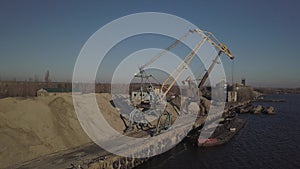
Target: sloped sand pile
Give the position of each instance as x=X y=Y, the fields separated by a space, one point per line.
x=34 y=127
x=37 y=126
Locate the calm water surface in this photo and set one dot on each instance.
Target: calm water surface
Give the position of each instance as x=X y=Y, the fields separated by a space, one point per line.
x=265 y=142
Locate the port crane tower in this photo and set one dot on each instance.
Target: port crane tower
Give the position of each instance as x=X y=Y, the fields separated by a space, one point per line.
x=147 y=97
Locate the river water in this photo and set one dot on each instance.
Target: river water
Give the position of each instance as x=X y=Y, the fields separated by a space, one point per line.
x=266 y=141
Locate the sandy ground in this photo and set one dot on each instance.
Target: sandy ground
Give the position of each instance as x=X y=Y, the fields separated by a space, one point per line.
x=33 y=127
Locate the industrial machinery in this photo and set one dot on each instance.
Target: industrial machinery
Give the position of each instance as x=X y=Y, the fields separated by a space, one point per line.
x=151 y=98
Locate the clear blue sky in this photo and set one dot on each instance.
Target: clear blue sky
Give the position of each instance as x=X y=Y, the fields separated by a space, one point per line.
x=263 y=35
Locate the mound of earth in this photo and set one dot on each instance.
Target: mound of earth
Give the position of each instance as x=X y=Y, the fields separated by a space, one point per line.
x=34 y=127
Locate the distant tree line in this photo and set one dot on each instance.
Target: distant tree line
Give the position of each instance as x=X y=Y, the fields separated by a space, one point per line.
x=268 y=90
x=30 y=88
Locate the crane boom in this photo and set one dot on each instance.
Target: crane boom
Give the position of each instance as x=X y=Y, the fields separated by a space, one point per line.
x=152 y=99
x=207 y=36
x=181 y=66
x=217 y=44
x=174 y=44
x=175 y=74
x=205 y=77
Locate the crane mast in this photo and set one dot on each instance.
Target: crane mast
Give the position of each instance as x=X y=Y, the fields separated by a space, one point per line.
x=180 y=68
x=207 y=36
x=143 y=100
x=173 y=77
x=218 y=45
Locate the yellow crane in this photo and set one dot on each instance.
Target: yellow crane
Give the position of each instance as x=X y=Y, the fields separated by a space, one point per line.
x=206 y=36
x=175 y=74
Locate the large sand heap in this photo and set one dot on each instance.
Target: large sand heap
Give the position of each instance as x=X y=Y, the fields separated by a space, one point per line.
x=33 y=127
